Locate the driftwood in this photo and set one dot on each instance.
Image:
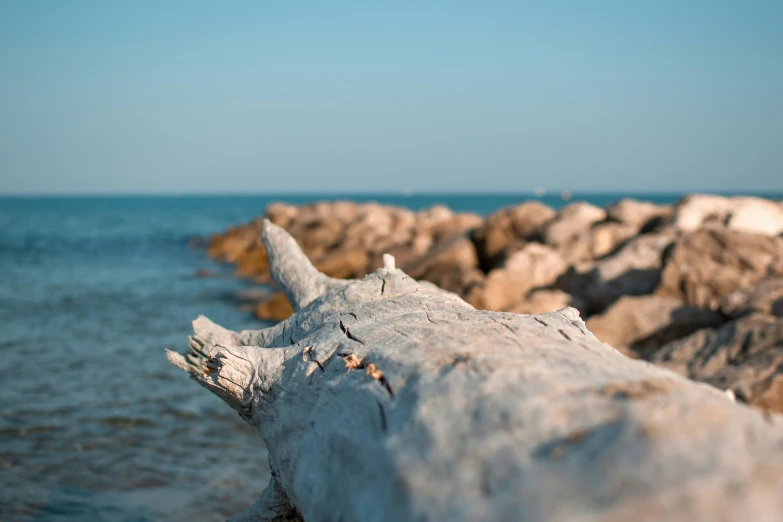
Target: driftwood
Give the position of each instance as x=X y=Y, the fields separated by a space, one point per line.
x=386 y=399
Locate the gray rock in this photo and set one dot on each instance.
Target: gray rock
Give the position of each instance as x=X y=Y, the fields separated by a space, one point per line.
x=640 y=325
x=638 y=214
x=544 y=301
x=635 y=269
x=745 y=356
x=571 y=221
x=534 y=266
x=765 y=297
x=707 y=265
x=509 y=229
x=451 y=264
x=596 y=241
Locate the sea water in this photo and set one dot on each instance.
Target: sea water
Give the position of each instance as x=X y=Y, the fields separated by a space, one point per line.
x=95 y=424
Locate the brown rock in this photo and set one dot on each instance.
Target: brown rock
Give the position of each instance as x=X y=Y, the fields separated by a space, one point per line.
x=372 y=224
x=633 y=270
x=745 y=214
x=571 y=221
x=317 y=228
x=344 y=263
x=597 y=241
x=402 y=232
x=508 y=226
x=543 y=301
x=639 y=325
x=404 y=254
x=456 y=225
x=421 y=242
x=534 y=266
x=766 y=297
x=344 y=211
x=638 y=214
x=233 y=242
x=527 y=218
x=252 y=262
x=745 y=355
x=281 y=214
x=707 y=265
x=318 y=237
x=274 y=308
x=606 y=237
x=428 y=220
x=242 y=246
x=769 y=392
x=452 y=265
x=347 y=240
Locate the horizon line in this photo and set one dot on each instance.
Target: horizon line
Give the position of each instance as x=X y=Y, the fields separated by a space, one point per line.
x=386 y=193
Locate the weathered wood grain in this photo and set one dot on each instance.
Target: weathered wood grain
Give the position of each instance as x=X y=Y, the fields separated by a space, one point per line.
x=386 y=399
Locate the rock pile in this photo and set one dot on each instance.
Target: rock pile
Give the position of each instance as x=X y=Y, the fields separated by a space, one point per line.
x=696 y=286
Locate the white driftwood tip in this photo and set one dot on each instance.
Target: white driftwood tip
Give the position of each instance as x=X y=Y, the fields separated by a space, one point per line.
x=388 y=262
x=177 y=360
x=291 y=270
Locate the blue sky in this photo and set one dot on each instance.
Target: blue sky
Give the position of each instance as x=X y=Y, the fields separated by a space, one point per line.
x=180 y=97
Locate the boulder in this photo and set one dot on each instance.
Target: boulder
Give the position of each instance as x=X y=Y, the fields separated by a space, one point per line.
x=745 y=214
x=401 y=233
x=639 y=325
x=281 y=214
x=637 y=214
x=452 y=265
x=373 y=223
x=606 y=237
x=344 y=239
x=429 y=220
x=241 y=245
x=766 y=297
x=508 y=228
x=534 y=266
x=345 y=262
x=231 y=244
x=596 y=241
x=745 y=355
x=457 y=225
x=707 y=265
x=543 y=301
x=571 y=221
x=633 y=270
x=321 y=226
x=252 y=261
x=404 y=253
x=274 y=308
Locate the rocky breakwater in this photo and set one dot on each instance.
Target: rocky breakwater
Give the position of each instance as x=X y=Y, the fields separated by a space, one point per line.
x=696 y=286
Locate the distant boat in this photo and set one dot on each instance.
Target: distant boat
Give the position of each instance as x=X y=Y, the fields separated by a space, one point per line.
x=565 y=195
x=540 y=192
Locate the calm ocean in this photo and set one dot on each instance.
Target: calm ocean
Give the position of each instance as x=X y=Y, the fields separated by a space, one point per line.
x=95 y=424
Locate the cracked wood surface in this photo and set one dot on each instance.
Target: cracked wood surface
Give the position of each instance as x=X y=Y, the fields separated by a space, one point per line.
x=387 y=399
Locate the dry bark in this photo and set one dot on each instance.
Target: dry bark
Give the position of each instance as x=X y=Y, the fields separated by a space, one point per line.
x=386 y=399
